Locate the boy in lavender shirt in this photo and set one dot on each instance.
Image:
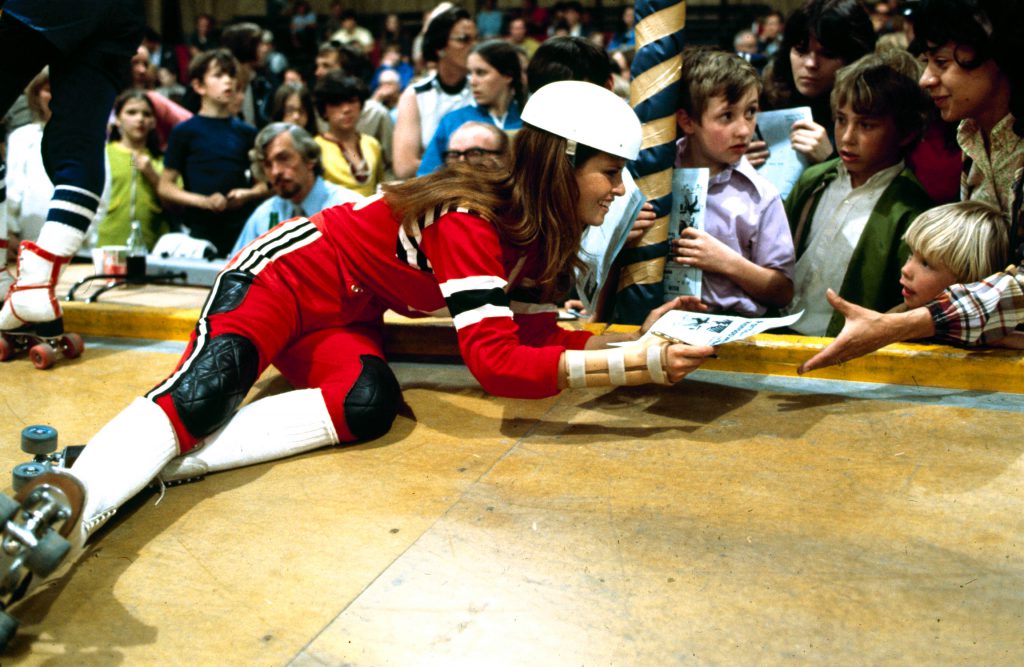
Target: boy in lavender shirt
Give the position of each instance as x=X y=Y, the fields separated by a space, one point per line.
x=746 y=249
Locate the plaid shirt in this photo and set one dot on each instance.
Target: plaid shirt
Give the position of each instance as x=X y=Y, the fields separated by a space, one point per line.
x=982 y=312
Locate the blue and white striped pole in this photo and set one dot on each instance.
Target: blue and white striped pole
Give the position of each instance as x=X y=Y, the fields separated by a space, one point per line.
x=654 y=96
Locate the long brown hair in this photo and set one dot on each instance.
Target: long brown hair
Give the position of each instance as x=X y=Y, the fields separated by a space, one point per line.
x=533 y=202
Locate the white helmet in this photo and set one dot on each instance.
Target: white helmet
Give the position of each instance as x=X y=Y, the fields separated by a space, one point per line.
x=587 y=114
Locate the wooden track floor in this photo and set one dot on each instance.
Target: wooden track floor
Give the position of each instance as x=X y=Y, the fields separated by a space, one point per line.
x=732 y=519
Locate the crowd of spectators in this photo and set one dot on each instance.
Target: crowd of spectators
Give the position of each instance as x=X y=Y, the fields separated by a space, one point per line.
x=382 y=98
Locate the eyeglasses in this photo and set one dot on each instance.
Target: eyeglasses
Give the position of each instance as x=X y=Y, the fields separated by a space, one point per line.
x=464 y=39
x=471 y=155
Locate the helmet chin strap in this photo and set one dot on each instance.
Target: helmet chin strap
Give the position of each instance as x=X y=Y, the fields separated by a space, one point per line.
x=570 y=150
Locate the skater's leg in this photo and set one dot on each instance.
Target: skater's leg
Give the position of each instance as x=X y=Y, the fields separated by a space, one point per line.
x=83 y=90
x=121 y=459
x=357 y=398
x=265 y=430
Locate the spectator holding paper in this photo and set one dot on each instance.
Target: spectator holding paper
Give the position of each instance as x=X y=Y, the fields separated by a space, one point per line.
x=819 y=38
x=745 y=250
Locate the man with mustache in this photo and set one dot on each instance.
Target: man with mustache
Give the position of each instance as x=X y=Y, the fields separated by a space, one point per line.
x=288 y=159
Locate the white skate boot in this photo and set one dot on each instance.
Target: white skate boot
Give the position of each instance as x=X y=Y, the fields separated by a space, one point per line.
x=55 y=513
x=31 y=318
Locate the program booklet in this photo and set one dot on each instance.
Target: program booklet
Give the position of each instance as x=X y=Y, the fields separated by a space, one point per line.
x=689 y=200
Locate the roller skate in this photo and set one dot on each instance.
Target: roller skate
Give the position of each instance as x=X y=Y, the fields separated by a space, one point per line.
x=41 y=442
x=41 y=345
x=36 y=524
x=31 y=319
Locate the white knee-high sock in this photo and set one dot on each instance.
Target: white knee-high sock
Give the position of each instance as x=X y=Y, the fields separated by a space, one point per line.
x=121 y=459
x=268 y=429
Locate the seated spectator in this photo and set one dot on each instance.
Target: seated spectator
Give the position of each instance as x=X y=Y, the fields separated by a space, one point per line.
x=209 y=152
x=489 y=20
x=244 y=41
x=392 y=32
x=625 y=35
x=538 y=19
x=744 y=250
x=519 y=37
x=288 y=158
x=133 y=174
x=849 y=214
x=479 y=144
x=769 y=33
x=567 y=20
x=29 y=189
x=447 y=40
x=303 y=27
x=204 y=37
x=387 y=92
x=496 y=81
x=293 y=103
x=744 y=45
x=350 y=158
x=272 y=62
x=352 y=34
x=391 y=59
x=375 y=119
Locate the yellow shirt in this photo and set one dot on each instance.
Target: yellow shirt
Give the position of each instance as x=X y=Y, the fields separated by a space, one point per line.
x=338 y=170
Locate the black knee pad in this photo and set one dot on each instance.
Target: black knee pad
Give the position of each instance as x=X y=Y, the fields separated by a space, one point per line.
x=207 y=394
x=372 y=404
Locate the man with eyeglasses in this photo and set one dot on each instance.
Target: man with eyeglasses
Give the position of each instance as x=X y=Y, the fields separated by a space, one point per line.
x=478 y=144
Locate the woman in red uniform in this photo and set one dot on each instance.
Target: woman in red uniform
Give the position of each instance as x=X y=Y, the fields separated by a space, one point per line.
x=493 y=249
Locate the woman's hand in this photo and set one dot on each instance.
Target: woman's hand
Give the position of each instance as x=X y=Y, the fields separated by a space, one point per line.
x=682 y=359
x=866 y=331
x=757 y=153
x=811 y=140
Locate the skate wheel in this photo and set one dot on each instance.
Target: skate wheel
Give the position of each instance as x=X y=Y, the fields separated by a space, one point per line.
x=23 y=473
x=42 y=355
x=72 y=345
x=66 y=484
x=8 y=627
x=8 y=508
x=47 y=554
x=39 y=439
x=6 y=350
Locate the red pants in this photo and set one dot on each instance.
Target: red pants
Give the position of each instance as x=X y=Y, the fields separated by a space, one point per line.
x=286 y=300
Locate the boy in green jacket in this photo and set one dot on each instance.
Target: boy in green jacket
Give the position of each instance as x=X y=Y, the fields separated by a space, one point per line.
x=848 y=215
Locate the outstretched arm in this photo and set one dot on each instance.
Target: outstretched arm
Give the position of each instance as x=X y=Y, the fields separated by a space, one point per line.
x=866 y=331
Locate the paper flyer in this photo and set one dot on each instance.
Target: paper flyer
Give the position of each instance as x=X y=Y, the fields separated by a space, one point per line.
x=683 y=326
x=784 y=164
x=689 y=200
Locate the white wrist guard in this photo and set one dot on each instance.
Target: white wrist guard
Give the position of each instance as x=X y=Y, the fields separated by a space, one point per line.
x=616 y=366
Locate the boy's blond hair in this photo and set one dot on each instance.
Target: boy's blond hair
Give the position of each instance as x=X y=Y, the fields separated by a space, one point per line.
x=970 y=238
x=884 y=84
x=709 y=72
